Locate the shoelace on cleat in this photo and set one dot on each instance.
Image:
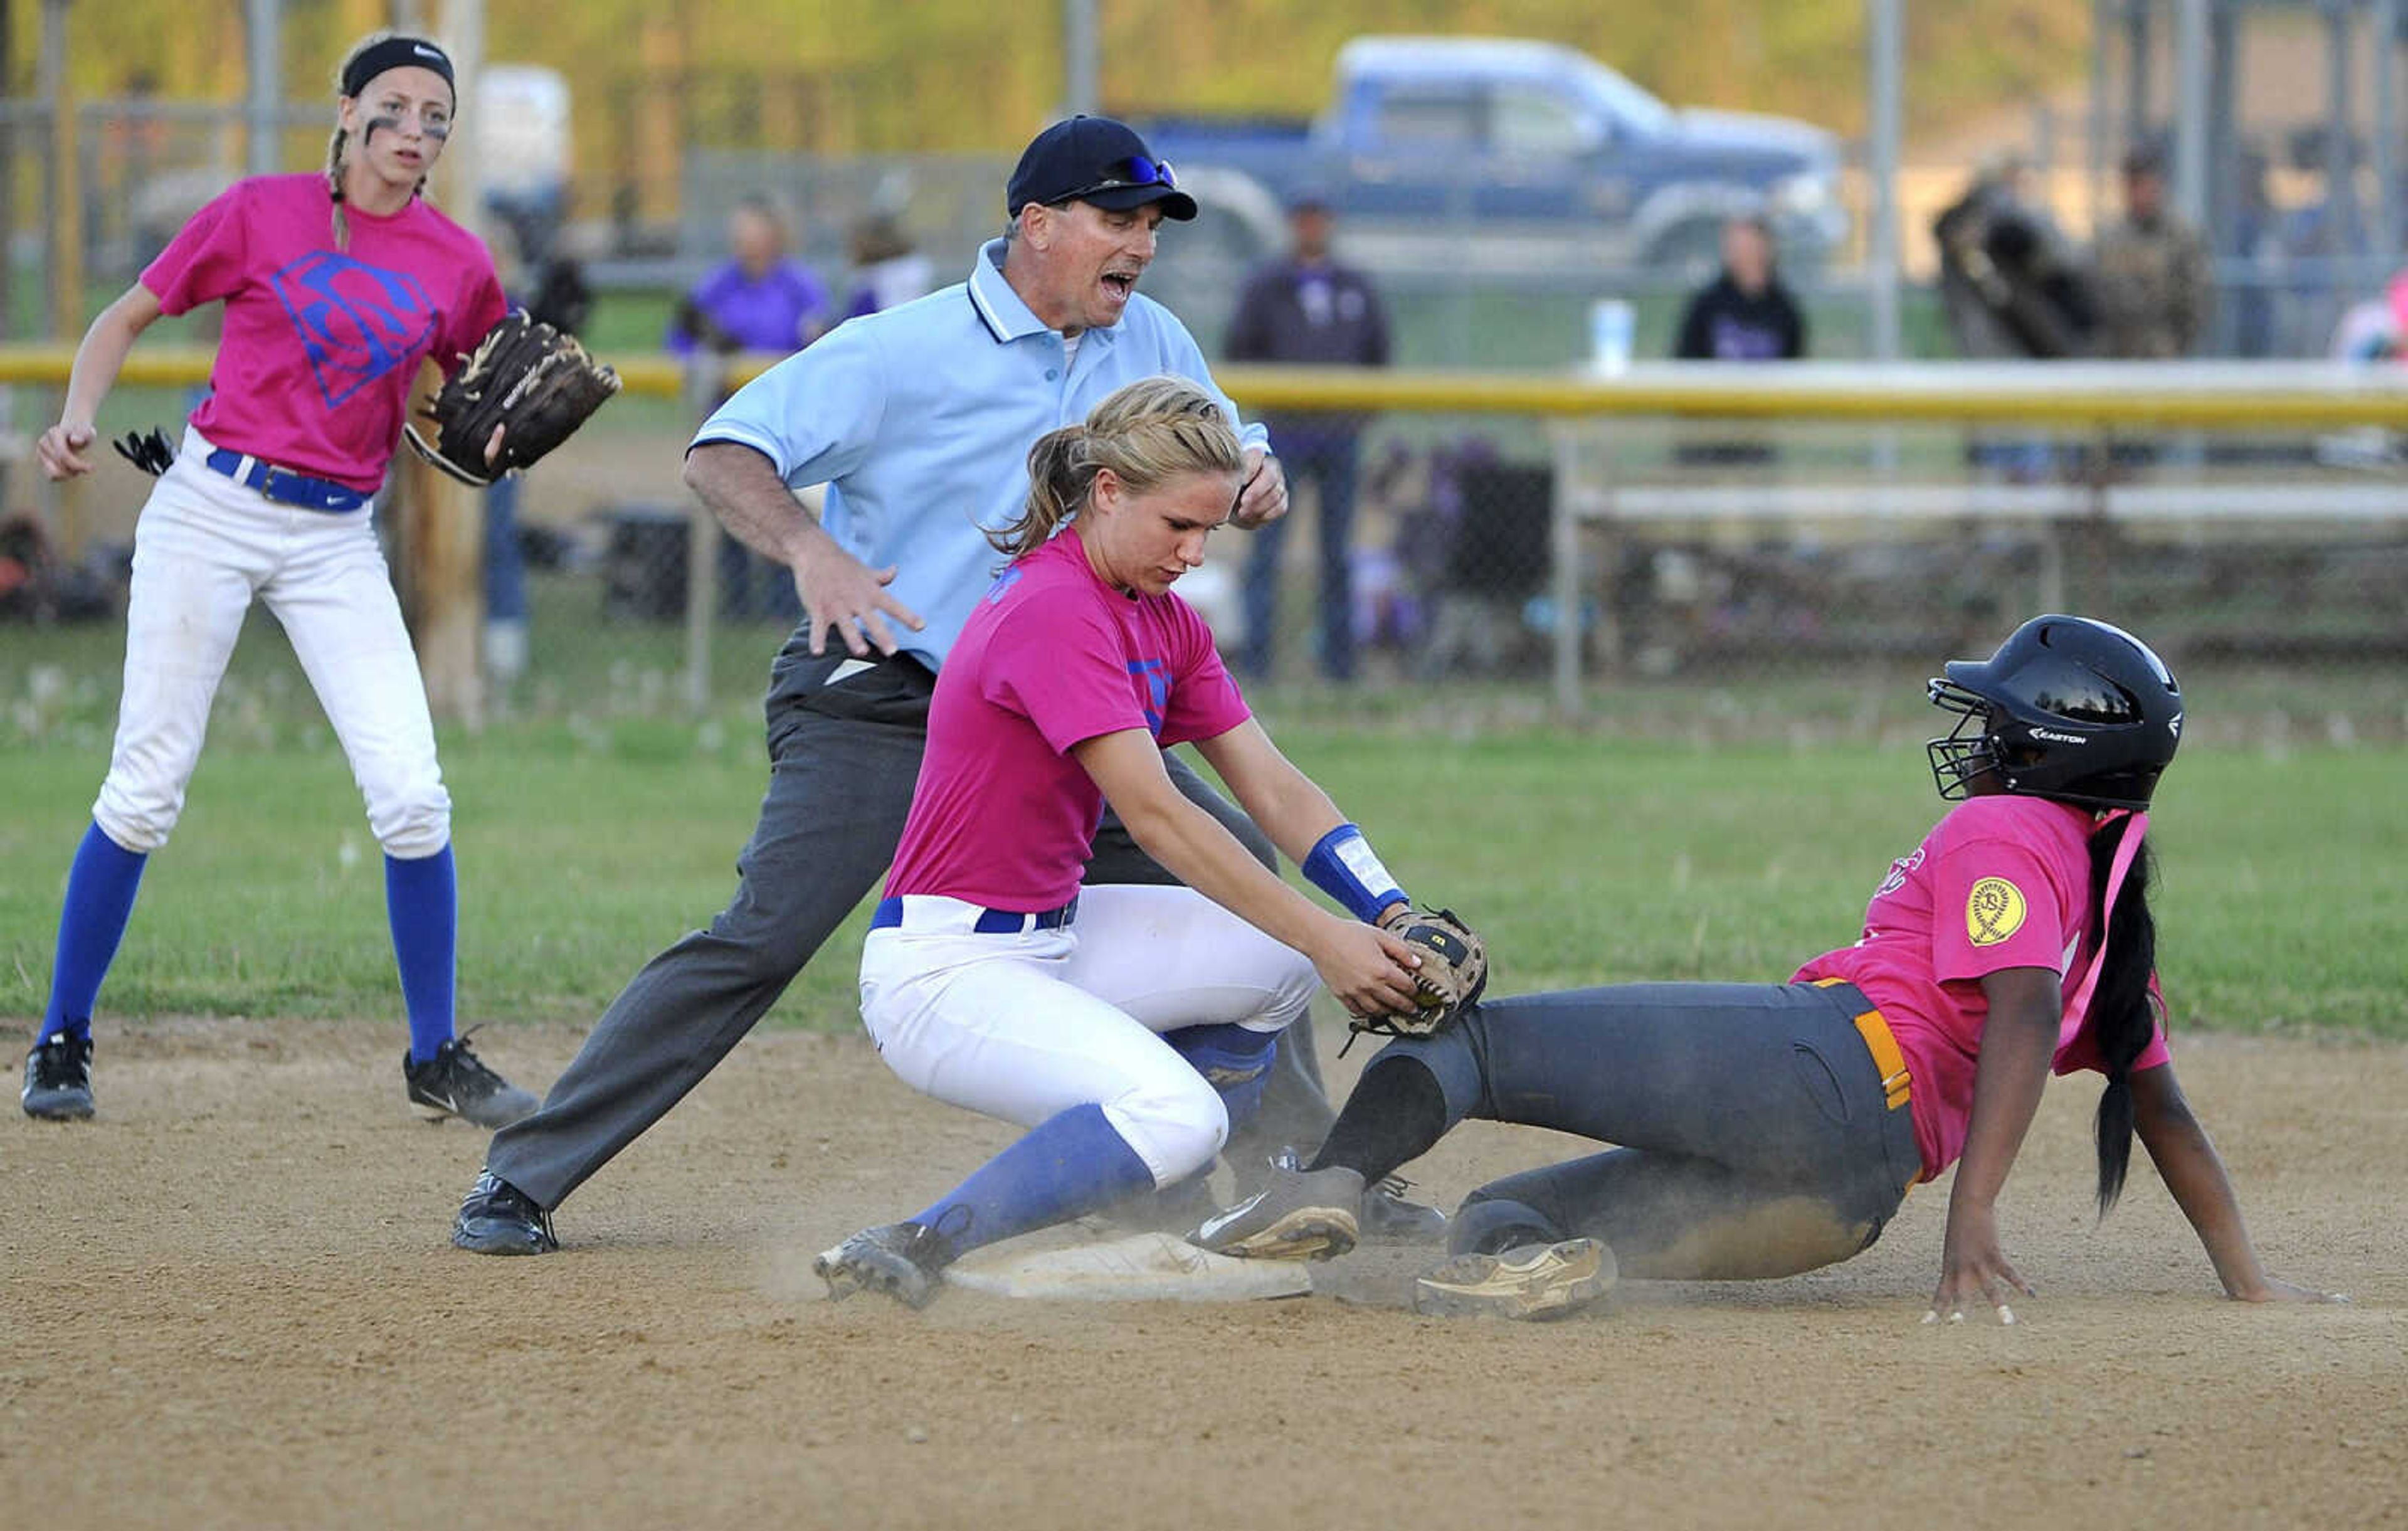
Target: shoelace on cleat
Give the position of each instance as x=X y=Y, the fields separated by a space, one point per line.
x=470 y=1070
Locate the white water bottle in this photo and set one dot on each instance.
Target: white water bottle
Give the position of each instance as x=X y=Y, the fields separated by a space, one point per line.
x=1611 y=321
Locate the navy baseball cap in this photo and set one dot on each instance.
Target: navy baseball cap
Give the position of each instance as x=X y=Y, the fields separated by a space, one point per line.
x=1097 y=160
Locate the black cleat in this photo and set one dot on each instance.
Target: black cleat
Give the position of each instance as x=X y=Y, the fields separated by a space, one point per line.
x=904 y=1260
x=1388 y=1218
x=456 y=1083
x=499 y=1218
x=1384 y=1217
x=58 y=1079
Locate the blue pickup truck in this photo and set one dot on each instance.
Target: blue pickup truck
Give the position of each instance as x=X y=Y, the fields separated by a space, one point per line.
x=1499 y=156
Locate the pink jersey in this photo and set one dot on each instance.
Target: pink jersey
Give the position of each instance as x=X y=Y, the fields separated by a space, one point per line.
x=321 y=346
x=1003 y=815
x=2002 y=881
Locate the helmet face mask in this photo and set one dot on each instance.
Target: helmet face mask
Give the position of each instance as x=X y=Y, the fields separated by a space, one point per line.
x=1970 y=752
x=2068 y=708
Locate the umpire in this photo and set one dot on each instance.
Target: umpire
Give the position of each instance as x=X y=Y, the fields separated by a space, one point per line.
x=919 y=420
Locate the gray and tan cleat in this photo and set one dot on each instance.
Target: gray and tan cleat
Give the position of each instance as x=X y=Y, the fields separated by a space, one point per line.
x=1533 y=1281
x=1301 y=1214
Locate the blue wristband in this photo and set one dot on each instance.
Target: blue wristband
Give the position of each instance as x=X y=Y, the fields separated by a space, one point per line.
x=1343 y=866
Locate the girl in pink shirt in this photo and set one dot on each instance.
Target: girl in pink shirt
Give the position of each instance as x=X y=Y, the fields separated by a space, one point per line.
x=1767 y=1129
x=1125 y=1026
x=335 y=286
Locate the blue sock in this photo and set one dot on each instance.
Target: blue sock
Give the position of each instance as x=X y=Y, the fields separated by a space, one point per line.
x=100 y=899
x=422 y=899
x=1234 y=1060
x=1072 y=1163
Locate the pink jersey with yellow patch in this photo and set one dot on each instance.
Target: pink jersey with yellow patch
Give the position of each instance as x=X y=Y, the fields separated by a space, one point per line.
x=2000 y=882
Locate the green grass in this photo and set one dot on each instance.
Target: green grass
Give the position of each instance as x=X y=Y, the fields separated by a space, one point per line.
x=589 y=841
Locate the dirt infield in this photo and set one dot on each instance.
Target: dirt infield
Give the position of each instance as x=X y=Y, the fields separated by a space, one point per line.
x=229 y=1301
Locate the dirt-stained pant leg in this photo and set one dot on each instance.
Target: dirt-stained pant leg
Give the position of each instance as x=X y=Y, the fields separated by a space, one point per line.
x=844 y=755
x=1755 y=1137
x=1295 y=1110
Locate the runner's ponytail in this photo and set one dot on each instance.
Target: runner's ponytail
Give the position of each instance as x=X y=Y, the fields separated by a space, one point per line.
x=2121 y=1007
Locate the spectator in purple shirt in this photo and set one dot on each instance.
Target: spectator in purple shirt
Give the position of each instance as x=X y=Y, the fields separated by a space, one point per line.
x=761 y=300
x=1746 y=314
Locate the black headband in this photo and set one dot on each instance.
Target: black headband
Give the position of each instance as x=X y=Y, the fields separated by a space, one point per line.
x=396 y=53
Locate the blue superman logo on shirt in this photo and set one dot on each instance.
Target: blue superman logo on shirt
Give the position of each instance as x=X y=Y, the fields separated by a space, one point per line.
x=1154 y=675
x=356 y=321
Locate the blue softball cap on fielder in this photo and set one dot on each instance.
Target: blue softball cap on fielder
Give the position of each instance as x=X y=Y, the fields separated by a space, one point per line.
x=1097 y=160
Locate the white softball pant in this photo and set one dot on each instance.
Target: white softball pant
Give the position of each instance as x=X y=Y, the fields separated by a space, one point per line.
x=1022 y=1026
x=205 y=548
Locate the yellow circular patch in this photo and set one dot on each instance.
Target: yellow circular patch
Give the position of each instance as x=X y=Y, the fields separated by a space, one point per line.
x=1993 y=911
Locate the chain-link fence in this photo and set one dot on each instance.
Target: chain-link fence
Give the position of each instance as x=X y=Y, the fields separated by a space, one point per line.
x=1702 y=548
x=1706 y=547
x=1706 y=553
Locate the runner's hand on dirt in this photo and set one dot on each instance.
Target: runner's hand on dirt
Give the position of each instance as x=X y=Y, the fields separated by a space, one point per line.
x=1973 y=1268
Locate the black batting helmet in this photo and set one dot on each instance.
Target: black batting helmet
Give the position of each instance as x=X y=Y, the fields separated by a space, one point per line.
x=2068 y=708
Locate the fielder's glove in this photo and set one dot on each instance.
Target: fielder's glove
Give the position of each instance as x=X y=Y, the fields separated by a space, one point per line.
x=1454 y=970
x=535 y=382
x=148 y=451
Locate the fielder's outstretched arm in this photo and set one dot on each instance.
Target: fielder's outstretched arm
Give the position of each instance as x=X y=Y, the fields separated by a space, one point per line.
x=1366 y=968
x=2194 y=1172
x=839 y=592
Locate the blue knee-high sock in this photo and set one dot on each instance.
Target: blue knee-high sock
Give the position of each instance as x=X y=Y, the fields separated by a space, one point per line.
x=421 y=900
x=100 y=899
x=1072 y=1163
x=1234 y=1060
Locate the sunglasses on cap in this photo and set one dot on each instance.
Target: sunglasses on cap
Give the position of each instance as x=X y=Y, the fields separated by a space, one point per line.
x=1126 y=175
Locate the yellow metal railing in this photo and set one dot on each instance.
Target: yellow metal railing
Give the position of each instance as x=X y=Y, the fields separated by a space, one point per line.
x=2203 y=396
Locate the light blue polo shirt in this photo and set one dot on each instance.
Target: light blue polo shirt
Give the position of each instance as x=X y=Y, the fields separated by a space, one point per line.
x=919 y=420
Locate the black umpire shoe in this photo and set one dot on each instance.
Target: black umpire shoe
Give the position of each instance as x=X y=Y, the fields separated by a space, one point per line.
x=58 y=1079
x=905 y=1260
x=499 y=1218
x=456 y=1083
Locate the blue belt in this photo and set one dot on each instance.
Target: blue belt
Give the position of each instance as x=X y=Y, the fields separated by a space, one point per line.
x=283 y=485
x=989 y=922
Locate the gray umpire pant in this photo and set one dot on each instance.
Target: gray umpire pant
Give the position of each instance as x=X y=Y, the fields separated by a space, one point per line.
x=844 y=756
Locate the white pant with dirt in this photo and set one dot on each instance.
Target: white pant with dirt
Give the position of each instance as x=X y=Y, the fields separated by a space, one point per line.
x=206 y=547
x=1025 y=1024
